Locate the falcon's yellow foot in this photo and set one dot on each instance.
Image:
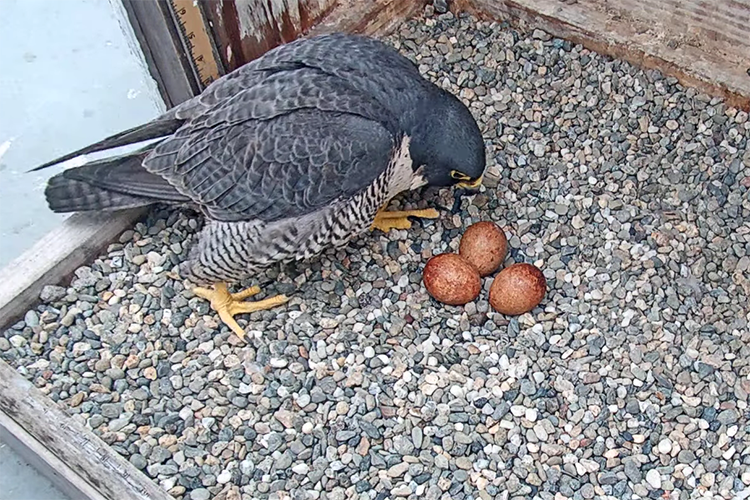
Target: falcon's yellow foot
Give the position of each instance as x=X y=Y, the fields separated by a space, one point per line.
x=386 y=221
x=230 y=304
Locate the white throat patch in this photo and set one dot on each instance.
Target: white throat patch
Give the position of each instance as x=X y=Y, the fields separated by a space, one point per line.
x=404 y=177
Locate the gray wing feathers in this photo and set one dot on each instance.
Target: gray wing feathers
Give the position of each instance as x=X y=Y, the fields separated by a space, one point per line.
x=125 y=175
x=69 y=195
x=367 y=66
x=109 y=184
x=155 y=129
x=289 y=143
x=308 y=123
x=281 y=93
x=285 y=167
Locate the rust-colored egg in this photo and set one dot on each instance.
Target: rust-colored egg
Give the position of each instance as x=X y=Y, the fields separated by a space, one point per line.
x=450 y=279
x=485 y=246
x=517 y=289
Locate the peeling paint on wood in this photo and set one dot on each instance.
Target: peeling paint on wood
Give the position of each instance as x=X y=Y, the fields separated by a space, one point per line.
x=246 y=29
x=373 y=17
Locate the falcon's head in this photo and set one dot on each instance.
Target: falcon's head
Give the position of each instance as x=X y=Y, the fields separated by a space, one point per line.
x=447 y=144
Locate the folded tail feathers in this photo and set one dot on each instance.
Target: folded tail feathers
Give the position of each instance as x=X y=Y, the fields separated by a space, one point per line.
x=110 y=184
x=69 y=195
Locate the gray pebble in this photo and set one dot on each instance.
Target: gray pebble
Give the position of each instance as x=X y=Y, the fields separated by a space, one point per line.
x=441 y=6
x=52 y=293
x=200 y=494
x=728 y=417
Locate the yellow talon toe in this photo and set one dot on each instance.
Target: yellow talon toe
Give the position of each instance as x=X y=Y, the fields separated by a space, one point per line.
x=228 y=305
x=385 y=221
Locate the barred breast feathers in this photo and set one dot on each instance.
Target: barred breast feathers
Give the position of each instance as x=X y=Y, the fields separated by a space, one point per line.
x=231 y=251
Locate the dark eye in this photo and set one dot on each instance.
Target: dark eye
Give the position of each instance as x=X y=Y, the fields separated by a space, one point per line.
x=455 y=174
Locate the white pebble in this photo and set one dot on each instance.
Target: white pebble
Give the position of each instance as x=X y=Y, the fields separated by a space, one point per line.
x=708 y=479
x=457 y=391
x=518 y=410
x=531 y=414
x=654 y=478
x=328 y=323
x=307 y=427
x=589 y=465
x=665 y=446
x=18 y=341
x=540 y=432
x=79 y=348
x=224 y=477
x=301 y=469
x=428 y=389
x=278 y=363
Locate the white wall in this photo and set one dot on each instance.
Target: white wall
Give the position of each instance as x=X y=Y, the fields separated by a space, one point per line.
x=71 y=73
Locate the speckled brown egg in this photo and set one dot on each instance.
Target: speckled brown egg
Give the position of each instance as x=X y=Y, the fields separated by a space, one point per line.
x=484 y=246
x=517 y=289
x=450 y=279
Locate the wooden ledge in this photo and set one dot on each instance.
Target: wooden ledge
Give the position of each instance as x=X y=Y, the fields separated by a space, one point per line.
x=73 y=457
x=373 y=17
x=701 y=49
x=55 y=257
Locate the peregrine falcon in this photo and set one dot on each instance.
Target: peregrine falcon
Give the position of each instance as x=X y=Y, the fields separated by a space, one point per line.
x=295 y=152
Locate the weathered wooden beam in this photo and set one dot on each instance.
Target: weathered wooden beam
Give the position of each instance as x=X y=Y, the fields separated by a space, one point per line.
x=246 y=29
x=55 y=257
x=82 y=464
x=44 y=461
x=377 y=17
x=708 y=49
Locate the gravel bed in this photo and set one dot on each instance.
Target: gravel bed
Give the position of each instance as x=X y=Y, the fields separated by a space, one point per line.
x=629 y=381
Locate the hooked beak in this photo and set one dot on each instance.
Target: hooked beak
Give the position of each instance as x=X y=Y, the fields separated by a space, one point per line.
x=470 y=184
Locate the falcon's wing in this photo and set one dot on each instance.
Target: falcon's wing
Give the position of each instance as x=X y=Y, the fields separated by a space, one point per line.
x=285 y=167
x=290 y=132
x=364 y=65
